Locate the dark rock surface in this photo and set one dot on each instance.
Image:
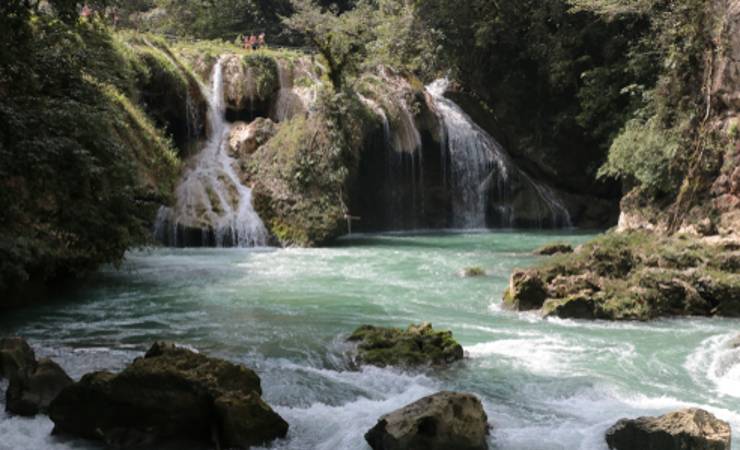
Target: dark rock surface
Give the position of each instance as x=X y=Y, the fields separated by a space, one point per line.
x=170 y=395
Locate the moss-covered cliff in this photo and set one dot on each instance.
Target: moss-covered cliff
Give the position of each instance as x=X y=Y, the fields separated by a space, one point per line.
x=84 y=156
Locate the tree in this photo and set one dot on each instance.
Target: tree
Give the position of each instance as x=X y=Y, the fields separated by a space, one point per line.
x=342 y=38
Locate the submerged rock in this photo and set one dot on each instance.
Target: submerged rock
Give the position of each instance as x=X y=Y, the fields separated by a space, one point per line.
x=170 y=395
x=418 y=345
x=16 y=356
x=446 y=420
x=693 y=429
x=472 y=272
x=527 y=291
x=32 y=393
x=554 y=249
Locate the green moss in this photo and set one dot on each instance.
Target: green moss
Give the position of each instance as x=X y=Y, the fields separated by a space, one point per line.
x=733 y=131
x=265 y=72
x=418 y=345
x=641 y=276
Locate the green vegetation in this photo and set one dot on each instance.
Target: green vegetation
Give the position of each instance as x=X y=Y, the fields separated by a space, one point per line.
x=83 y=167
x=266 y=73
x=302 y=174
x=341 y=39
x=635 y=276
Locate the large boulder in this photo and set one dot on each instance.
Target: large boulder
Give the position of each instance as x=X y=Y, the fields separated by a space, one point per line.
x=170 y=395
x=245 y=139
x=32 y=394
x=693 y=429
x=418 y=345
x=16 y=356
x=527 y=291
x=446 y=420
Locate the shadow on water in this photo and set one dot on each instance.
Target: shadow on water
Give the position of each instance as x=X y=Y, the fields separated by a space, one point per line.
x=439 y=238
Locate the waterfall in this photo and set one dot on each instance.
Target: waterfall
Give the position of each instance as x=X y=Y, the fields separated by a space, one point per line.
x=287 y=104
x=482 y=177
x=210 y=197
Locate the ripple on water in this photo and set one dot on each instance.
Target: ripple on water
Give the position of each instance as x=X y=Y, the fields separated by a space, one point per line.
x=546 y=384
x=717 y=361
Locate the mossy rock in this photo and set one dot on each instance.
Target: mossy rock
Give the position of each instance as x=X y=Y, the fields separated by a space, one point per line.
x=633 y=276
x=417 y=346
x=574 y=307
x=473 y=272
x=554 y=249
x=170 y=396
x=527 y=291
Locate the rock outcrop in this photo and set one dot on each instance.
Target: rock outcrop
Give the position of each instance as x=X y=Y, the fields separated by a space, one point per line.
x=446 y=420
x=632 y=276
x=418 y=345
x=32 y=393
x=16 y=356
x=573 y=307
x=693 y=429
x=33 y=384
x=245 y=139
x=170 y=395
x=527 y=291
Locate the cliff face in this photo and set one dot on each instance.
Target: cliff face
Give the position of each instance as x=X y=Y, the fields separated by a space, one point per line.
x=708 y=201
x=725 y=95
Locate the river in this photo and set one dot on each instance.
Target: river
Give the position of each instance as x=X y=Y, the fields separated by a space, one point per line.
x=545 y=384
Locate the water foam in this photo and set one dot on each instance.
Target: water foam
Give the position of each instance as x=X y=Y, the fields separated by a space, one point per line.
x=717 y=359
x=211 y=196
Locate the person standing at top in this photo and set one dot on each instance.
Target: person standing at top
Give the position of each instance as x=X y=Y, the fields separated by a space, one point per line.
x=261 y=40
x=245 y=42
x=253 y=42
x=86 y=11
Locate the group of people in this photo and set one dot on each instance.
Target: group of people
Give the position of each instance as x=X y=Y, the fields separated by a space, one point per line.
x=254 y=42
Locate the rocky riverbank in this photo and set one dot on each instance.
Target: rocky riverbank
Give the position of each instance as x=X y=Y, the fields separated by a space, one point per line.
x=634 y=276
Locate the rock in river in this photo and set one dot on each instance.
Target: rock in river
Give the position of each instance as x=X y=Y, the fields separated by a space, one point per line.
x=446 y=420
x=418 y=345
x=15 y=356
x=527 y=291
x=172 y=394
x=33 y=385
x=554 y=249
x=32 y=393
x=689 y=429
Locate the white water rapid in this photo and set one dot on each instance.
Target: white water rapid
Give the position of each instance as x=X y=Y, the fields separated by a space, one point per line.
x=210 y=196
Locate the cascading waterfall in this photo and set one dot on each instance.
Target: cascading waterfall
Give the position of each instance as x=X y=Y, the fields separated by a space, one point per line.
x=210 y=196
x=288 y=103
x=477 y=161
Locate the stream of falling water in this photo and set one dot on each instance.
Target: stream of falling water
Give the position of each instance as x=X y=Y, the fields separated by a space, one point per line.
x=478 y=160
x=210 y=196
